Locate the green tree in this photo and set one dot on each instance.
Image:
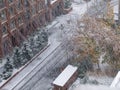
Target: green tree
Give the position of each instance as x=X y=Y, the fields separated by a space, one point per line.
x=17 y=58
x=8 y=69
x=44 y=36
x=39 y=41
x=8 y=66
x=26 y=54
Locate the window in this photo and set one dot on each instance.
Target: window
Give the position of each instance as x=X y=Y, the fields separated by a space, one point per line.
x=28 y=27
x=10 y=1
x=22 y=31
x=40 y=6
x=19 y=5
x=26 y=3
x=12 y=24
x=20 y=20
x=3 y=15
x=33 y=10
x=46 y=2
x=2 y=3
x=13 y=41
x=27 y=15
x=5 y=47
x=11 y=11
x=33 y=0
x=4 y=29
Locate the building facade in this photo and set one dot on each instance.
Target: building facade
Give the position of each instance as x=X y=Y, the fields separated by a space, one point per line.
x=19 y=18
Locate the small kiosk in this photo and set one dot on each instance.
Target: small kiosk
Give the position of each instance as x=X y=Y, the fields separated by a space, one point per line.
x=66 y=78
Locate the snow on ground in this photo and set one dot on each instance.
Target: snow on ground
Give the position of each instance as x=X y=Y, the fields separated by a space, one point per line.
x=78 y=11
x=93 y=87
x=92 y=82
x=102 y=80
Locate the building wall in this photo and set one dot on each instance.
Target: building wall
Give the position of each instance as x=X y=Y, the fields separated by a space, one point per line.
x=19 y=18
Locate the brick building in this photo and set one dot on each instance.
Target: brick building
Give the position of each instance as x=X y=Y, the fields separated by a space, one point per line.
x=19 y=18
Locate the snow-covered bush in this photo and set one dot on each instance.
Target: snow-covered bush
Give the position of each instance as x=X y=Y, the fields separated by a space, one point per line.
x=26 y=54
x=32 y=43
x=7 y=75
x=17 y=58
x=85 y=65
x=8 y=69
x=87 y=80
x=44 y=36
x=67 y=3
x=8 y=66
x=39 y=41
x=95 y=82
x=1 y=77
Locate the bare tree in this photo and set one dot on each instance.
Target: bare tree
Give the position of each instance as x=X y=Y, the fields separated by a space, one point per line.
x=95 y=38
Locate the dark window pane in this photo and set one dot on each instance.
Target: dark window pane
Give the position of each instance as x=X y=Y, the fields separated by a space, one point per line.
x=2 y=3
x=3 y=15
x=12 y=24
x=4 y=29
